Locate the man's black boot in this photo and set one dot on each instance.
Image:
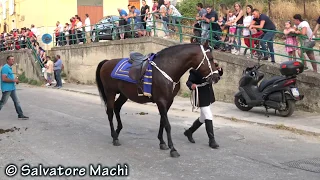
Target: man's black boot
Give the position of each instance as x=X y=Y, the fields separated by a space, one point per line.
x=196 y=124
x=209 y=129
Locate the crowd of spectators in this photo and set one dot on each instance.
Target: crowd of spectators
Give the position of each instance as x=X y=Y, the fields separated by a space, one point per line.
x=229 y=26
x=237 y=23
x=16 y=38
x=74 y=32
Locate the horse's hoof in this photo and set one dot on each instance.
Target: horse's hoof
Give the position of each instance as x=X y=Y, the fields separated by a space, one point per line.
x=174 y=154
x=164 y=147
x=116 y=143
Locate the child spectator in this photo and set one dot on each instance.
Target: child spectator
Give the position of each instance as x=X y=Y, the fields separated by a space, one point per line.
x=232 y=30
x=291 y=40
x=224 y=29
x=49 y=67
x=149 y=24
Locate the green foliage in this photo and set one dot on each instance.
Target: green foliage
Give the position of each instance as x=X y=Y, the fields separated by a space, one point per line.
x=63 y=74
x=186 y=94
x=24 y=79
x=187 y=8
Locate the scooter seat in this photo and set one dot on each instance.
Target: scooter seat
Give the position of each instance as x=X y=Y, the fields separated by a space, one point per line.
x=267 y=82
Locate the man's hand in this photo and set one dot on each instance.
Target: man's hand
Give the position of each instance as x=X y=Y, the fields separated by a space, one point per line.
x=16 y=80
x=193 y=86
x=311 y=37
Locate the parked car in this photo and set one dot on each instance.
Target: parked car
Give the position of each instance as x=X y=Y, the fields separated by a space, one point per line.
x=108 y=29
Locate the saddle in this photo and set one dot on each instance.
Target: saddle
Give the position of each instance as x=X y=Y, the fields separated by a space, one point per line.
x=139 y=65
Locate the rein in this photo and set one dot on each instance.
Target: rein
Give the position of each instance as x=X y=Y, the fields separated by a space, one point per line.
x=205 y=57
x=193 y=96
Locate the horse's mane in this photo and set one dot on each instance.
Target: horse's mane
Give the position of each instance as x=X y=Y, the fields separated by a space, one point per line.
x=164 y=51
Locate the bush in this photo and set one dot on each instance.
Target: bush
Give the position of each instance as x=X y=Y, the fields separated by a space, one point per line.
x=63 y=74
x=22 y=78
x=187 y=8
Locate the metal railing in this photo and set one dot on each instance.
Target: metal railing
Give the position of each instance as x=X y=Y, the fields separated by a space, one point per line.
x=12 y=44
x=98 y=33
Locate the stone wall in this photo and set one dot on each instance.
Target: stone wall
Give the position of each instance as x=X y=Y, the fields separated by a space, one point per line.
x=24 y=62
x=81 y=62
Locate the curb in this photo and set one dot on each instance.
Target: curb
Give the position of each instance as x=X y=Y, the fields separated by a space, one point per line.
x=273 y=126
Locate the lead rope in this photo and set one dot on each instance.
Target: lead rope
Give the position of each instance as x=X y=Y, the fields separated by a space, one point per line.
x=195 y=95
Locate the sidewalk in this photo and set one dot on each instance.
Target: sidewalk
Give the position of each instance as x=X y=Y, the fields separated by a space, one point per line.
x=299 y=122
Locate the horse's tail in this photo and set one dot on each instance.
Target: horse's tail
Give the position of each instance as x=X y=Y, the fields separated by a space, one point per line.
x=99 y=82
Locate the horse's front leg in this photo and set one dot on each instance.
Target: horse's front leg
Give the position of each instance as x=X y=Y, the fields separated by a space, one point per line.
x=163 y=145
x=163 y=110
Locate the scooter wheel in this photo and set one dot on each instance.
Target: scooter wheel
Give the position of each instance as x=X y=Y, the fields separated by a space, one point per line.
x=290 y=107
x=241 y=103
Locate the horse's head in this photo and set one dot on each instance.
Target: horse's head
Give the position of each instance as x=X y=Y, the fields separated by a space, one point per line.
x=206 y=66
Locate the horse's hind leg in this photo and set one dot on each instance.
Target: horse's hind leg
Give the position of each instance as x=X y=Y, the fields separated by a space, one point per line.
x=117 y=107
x=110 y=108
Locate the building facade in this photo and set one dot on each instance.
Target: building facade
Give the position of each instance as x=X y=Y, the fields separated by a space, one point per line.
x=16 y=14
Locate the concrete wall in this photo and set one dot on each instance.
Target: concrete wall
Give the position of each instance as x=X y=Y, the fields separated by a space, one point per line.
x=81 y=62
x=24 y=62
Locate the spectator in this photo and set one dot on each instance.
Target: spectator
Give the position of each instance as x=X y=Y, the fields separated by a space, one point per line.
x=155 y=6
x=210 y=18
x=266 y=25
x=87 y=28
x=145 y=9
x=49 y=67
x=232 y=31
x=61 y=35
x=291 y=40
x=165 y=20
x=57 y=34
x=35 y=31
x=239 y=22
x=224 y=11
x=200 y=16
x=160 y=3
x=73 y=32
x=222 y=24
x=31 y=35
x=67 y=33
x=136 y=15
x=79 y=30
x=8 y=87
x=173 y=13
x=122 y=22
x=128 y=19
x=316 y=28
x=247 y=32
x=304 y=29
x=150 y=25
x=57 y=71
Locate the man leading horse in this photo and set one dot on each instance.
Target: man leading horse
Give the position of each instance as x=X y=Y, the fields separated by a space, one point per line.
x=203 y=97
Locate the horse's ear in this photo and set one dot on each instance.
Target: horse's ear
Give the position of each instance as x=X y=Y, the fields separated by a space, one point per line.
x=206 y=44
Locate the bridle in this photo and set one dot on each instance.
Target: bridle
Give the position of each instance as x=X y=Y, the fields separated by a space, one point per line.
x=205 y=57
x=194 y=98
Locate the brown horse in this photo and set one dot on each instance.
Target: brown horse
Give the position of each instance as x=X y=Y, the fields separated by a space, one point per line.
x=170 y=64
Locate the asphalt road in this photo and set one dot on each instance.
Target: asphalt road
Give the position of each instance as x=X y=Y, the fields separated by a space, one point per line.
x=72 y=130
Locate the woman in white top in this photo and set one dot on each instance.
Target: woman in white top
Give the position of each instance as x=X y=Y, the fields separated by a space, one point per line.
x=163 y=12
x=66 y=32
x=79 y=30
x=246 y=32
